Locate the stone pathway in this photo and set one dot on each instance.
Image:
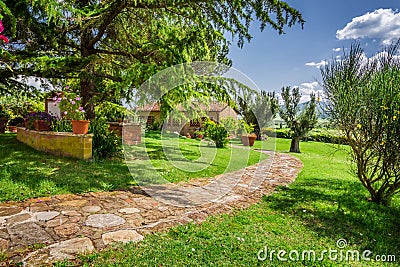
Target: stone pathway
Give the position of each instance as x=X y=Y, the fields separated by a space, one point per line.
x=44 y=230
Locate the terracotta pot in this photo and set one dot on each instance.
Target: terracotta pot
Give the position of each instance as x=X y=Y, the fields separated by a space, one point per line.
x=12 y=129
x=41 y=125
x=80 y=126
x=3 y=123
x=201 y=136
x=248 y=140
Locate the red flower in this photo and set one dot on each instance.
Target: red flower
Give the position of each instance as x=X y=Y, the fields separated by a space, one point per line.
x=5 y=39
x=2 y=37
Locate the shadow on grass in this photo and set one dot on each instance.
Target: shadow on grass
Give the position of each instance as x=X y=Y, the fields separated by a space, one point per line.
x=25 y=173
x=340 y=209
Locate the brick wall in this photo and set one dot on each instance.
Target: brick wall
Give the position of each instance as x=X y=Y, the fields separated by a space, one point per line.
x=58 y=143
x=131 y=134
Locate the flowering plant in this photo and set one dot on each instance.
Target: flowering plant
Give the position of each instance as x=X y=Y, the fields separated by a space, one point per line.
x=70 y=106
x=34 y=116
x=2 y=37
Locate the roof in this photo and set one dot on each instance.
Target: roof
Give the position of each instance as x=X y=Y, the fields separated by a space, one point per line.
x=213 y=106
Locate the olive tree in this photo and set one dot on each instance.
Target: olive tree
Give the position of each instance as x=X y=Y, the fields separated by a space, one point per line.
x=299 y=120
x=364 y=102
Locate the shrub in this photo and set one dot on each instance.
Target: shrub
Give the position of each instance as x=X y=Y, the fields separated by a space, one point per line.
x=17 y=121
x=112 y=112
x=216 y=132
x=62 y=125
x=246 y=128
x=364 y=100
x=230 y=124
x=154 y=126
x=106 y=144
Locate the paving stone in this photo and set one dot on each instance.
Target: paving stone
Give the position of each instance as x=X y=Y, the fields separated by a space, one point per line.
x=4 y=244
x=74 y=203
x=104 y=220
x=70 y=248
x=46 y=215
x=4 y=234
x=70 y=213
x=60 y=251
x=75 y=219
x=123 y=236
x=28 y=233
x=67 y=229
x=8 y=211
x=91 y=209
x=56 y=222
x=129 y=210
x=18 y=218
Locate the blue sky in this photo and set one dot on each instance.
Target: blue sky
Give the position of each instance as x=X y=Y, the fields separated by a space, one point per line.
x=272 y=60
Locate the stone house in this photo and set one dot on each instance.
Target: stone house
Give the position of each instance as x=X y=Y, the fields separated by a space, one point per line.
x=215 y=111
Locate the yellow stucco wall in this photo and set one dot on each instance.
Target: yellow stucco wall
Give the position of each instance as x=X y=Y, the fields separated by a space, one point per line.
x=58 y=143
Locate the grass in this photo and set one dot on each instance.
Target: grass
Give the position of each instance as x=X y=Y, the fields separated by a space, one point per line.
x=26 y=173
x=323 y=205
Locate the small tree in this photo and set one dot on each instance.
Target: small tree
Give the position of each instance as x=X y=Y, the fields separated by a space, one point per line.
x=364 y=101
x=299 y=121
x=258 y=108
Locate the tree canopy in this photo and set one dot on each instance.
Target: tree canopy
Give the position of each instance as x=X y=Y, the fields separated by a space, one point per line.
x=107 y=48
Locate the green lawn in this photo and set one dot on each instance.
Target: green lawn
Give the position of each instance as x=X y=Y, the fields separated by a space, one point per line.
x=324 y=204
x=27 y=173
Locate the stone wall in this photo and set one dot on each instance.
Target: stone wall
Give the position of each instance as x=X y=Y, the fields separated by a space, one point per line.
x=58 y=143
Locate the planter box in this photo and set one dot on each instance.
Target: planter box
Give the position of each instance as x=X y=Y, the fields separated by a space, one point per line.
x=58 y=143
x=131 y=133
x=12 y=129
x=115 y=127
x=41 y=125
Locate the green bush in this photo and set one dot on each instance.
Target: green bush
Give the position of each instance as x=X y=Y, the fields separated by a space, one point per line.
x=216 y=132
x=62 y=125
x=316 y=136
x=106 y=144
x=231 y=125
x=154 y=126
x=112 y=112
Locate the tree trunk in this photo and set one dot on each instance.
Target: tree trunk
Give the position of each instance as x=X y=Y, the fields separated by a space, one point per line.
x=257 y=131
x=295 y=145
x=381 y=199
x=87 y=90
x=87 y=82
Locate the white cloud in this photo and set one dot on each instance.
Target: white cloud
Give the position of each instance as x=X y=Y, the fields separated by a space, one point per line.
x=317 y=64
x=383 y=24
x=337 y=49
x=306 y=89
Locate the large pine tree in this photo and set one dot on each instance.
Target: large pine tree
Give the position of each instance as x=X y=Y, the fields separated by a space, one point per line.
x=111 y=46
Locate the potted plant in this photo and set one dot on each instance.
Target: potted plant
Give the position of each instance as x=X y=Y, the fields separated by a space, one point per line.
x=39 y=121
x=248 y=135
x=71 y=108
x=199 y=134
x=13 y=123
x=4 y=116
